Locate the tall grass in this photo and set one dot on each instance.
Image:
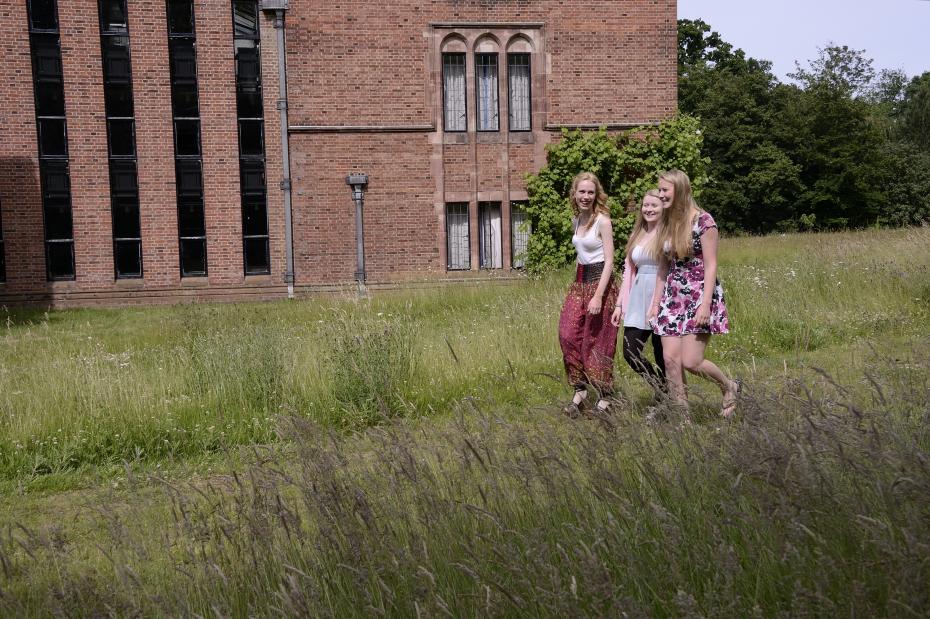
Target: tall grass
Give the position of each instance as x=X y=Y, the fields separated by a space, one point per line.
x=85 y=388
x=813 y=504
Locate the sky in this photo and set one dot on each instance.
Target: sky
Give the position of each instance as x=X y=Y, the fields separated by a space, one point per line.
x=894 y=33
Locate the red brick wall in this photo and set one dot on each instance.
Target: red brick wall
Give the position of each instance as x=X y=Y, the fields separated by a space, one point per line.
x=350 y=64
x=19 y=166
x=400 y=223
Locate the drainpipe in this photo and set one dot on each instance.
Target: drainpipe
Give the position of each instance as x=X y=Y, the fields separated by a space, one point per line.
x=279 y=6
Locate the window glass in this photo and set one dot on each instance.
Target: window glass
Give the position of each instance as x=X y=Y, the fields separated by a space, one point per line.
x=59 y=257
x=53 y=141
x=180 y=17
x=256 y=256
x=122 y=138
x=128 y=258
x=43 y=15
x=518 y=72
x=193 y=257
x=254 y=216
x=486 y=91
x=46 y=56
x=453 y=92
x=458 y=252
x=187 y=138
x=113 y=16
x=50 y=99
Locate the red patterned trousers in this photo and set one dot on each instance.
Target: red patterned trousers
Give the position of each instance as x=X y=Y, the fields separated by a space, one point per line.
x=588 y=341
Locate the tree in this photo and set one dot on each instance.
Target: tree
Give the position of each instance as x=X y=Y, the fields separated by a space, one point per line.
x=914 y=112
x=837 y=68
x=753 y=183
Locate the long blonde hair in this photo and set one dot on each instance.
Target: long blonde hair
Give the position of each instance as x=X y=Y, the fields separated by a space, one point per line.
x=677 y=221
x=639 y=228
x=600 y=197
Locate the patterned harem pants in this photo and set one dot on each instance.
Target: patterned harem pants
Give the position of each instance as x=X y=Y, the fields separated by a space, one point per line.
x=588 y=341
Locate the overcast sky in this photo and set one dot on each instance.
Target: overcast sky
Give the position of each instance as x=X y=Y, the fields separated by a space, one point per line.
x=894 y=33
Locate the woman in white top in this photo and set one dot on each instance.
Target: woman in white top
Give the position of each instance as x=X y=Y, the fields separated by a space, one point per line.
x=586 y=335
x=639 y=282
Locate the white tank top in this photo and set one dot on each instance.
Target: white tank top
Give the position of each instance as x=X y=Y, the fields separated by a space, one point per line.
x=588 y=243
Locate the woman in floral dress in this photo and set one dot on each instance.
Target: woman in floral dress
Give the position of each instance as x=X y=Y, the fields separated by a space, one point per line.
x=682 y=314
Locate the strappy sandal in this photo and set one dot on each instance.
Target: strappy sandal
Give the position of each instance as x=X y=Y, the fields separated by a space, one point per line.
x=572 y=410
x=729 y=407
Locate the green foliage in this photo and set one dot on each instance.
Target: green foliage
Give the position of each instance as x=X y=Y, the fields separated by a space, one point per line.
x=915 y=112
x=820 y=154
x=627 y=165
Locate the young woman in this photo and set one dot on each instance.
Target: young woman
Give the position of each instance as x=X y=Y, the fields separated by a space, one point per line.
x=636 y=292
x=586 y=335
x=687 y=305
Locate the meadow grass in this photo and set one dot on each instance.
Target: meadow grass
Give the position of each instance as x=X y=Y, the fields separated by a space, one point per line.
x=404 y=455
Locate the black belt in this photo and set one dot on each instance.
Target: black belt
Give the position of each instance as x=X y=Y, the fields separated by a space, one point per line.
x=590 y=272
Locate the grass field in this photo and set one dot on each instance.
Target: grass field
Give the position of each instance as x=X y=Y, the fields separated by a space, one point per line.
x=404 y=455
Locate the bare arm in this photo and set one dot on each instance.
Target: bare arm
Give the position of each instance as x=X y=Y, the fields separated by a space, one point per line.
x=606 y=231
x=710 y=239
x=661 y=275
x=629 y=272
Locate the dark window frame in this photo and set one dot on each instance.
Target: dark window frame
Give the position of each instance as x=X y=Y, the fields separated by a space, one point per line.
x=189 y=200
x=518 y=205
x=58 y=233
x=529 y=92
x=445 y=119
x=497 y=94
x=252 y=263
x=467 y=254
x=484 y=240
x=122 y=165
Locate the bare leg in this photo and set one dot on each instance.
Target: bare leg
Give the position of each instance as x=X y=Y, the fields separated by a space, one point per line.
x=672 y=348
x=692 y=359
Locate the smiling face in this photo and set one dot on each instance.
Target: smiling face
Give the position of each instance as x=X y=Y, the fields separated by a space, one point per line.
x=666 y=192
x=585 y=194
x=651 y=209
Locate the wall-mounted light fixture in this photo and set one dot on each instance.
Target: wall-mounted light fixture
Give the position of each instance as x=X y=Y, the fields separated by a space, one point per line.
x=358 y=182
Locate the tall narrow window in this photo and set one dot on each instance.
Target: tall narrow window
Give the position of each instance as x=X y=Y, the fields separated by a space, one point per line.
x=52 y=133
x=487 y=92
x=518 y=78
x=520 y=234
x=453 y=92
x=2 y=253
x=185 y=106
x=121 y=137
x=489 y=239
x=458 y=254
x=249 y=109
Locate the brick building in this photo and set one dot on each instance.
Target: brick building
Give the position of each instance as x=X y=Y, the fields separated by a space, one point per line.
x=150 y=149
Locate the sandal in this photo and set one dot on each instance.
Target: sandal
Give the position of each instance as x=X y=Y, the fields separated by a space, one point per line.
x=572 y=410
x=730 y=404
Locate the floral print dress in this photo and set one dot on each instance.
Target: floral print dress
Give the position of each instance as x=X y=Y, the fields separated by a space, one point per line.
x=684 y=289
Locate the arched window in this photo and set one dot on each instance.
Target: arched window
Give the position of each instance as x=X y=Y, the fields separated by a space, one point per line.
x=453 y=84
x=486 y=84
x=519 y=80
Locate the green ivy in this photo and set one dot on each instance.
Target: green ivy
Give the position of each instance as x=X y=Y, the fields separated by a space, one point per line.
x=627 y=164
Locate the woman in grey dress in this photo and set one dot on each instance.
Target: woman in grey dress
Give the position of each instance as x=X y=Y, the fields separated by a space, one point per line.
x=639 y=281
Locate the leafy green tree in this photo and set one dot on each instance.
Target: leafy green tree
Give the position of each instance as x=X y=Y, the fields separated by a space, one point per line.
x=839 y=69
x=914 y=111
x=906 y=184
x=827 y=126
x=627 y=164
x=753 y=183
